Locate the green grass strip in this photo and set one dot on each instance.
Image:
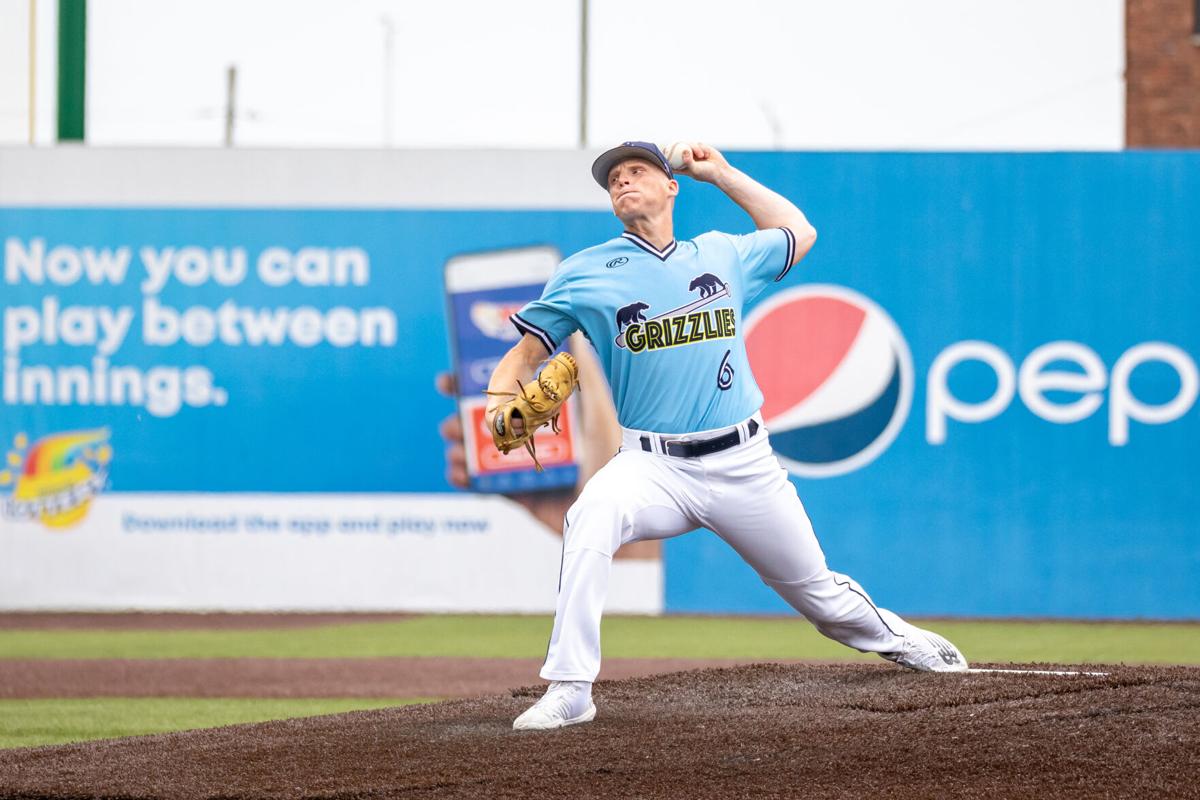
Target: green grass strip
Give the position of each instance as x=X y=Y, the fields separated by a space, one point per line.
x=623 y=637
x=31 y=723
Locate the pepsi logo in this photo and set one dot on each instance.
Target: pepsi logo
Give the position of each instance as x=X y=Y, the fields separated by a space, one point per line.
x=836 y=376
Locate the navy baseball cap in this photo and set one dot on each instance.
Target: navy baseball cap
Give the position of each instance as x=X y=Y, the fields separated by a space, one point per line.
x=609 y=159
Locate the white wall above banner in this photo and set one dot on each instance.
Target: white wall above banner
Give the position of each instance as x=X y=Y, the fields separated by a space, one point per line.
x=299 y=552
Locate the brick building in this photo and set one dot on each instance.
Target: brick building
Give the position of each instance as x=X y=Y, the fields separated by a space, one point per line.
x=1162 y=73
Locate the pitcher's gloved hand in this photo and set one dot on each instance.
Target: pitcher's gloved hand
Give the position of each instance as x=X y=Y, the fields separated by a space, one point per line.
x=516 y=419
x=598 y=436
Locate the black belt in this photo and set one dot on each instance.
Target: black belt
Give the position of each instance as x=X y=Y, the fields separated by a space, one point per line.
x=704 y=447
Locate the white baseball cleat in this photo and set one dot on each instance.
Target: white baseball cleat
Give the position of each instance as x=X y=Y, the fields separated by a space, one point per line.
x=925 y=651
x=564 y=703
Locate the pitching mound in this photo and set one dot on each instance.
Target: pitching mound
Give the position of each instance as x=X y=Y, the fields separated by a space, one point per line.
x=758 y=731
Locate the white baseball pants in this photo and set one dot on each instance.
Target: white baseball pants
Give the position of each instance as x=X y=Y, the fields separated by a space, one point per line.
x=744 y=496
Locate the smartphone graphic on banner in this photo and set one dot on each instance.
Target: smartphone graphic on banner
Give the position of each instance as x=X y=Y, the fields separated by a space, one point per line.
x=482 y=290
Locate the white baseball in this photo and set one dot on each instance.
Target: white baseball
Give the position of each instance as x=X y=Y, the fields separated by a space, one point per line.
x=674 y=153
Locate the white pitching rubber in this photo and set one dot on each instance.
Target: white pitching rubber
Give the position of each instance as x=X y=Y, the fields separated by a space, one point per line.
x=1039 y=672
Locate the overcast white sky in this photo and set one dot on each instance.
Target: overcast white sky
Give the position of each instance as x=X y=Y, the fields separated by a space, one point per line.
x=877 y=74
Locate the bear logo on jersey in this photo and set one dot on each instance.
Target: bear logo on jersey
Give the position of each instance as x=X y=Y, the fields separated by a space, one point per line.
x=630 y=314
x=708 y=284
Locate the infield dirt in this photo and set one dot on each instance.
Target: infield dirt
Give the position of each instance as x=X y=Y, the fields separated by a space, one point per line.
x=817 y=731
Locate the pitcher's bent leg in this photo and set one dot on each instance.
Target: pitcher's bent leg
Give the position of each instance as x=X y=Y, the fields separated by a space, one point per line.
x=764 y=521
x=574 y=651
x=631 y=498
x=839 y=608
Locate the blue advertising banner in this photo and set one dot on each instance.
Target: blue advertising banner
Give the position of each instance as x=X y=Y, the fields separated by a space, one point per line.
x=246 y=350
x=1022 y=438
x=983 y=378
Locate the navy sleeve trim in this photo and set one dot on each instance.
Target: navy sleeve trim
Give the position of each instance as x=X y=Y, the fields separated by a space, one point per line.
x=791 y=252
x=533 y=330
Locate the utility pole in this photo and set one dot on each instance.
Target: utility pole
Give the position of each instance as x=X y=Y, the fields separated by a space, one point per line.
x=389 y=76
x=230 y=102
x=773 y=123
x=32 y=71
x=583 y=73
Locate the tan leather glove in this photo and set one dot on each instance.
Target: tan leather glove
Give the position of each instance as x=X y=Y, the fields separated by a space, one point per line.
x=538 y=403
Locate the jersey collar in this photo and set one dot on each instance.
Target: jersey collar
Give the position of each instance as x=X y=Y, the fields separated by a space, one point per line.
x=662 y=255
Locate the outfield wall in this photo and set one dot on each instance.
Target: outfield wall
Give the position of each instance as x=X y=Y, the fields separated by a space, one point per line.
x=983 y=380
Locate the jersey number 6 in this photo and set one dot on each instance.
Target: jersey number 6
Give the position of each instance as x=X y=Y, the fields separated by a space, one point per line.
x=725 y=373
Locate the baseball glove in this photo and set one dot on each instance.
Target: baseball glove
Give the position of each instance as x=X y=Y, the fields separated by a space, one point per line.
x=538 y=403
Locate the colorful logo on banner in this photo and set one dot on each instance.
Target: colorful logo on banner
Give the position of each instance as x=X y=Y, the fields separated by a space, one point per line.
x=54 y=479
x=492 y=319
x=843 y=399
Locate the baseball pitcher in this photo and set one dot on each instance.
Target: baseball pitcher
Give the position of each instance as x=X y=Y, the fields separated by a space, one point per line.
x=666 y=319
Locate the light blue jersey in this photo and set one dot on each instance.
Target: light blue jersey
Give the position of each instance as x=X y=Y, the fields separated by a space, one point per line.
x=667 y=324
